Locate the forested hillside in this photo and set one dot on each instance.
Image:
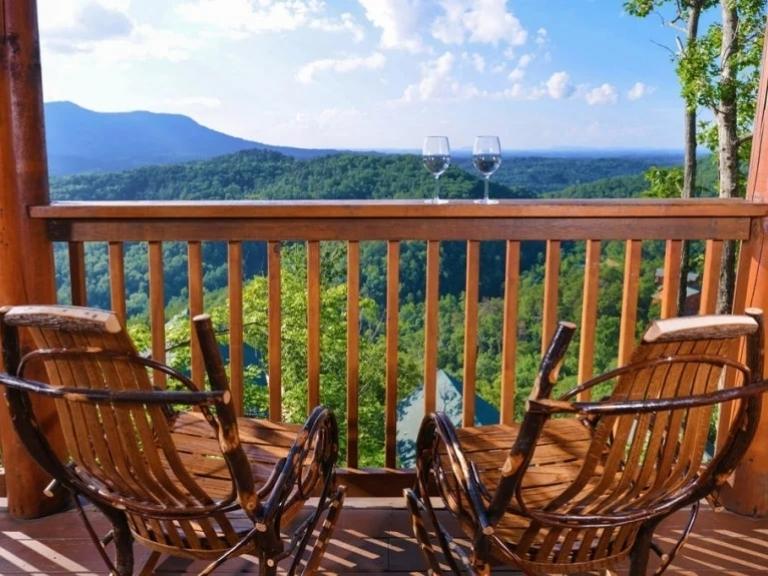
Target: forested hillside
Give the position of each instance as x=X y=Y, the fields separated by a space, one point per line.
x=269 y=175
x=550 y=174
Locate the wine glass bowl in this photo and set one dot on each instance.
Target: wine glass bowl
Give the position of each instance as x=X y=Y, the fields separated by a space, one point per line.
x=486 y=156
x=436 y=156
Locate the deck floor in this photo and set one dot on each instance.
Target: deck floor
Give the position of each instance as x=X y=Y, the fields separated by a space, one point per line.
x=371 y=538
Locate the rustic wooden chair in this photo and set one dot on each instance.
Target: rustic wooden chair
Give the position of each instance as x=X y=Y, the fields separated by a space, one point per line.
x=581 y=493
x=200 y=483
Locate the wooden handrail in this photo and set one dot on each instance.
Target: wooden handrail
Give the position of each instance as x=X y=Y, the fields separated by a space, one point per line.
x=540 y=208
x=632 y=222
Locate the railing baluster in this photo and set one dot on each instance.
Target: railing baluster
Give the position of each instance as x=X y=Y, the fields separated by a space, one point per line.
x=628 y=321
x=470 y=331
x=195 y=271
x=551 y=284
x=157 y=308
x=117 y=279
x=390 y=405
x=235 y=291
x=509 y=344
x=671 y=287
x=713 y=255
x=77 y=281
x=313 y=324
x=431 y=325
x=712 y=276
x=588 y=326
x=353 y=350
x=275 y=326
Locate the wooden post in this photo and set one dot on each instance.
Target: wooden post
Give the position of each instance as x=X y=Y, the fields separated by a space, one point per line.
x=747 y=491
x=26 y=258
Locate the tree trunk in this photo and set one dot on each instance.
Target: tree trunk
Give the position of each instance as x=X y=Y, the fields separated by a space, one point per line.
x=690 y=161
x=728 y=143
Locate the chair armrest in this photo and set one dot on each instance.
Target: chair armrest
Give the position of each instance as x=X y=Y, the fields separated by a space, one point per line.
x=297 y=478
x=617 y=407
x=105 y=396
x=437 y=427
x=653 y=363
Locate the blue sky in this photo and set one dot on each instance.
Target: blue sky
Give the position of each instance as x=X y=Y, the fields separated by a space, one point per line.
x=374 y=73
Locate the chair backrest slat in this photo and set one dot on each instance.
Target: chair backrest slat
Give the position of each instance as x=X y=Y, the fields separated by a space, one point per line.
x=640 y=463
x=128 y=448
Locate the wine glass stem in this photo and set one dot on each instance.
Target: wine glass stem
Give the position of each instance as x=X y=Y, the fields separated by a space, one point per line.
x=486 y=197
x=437 y=188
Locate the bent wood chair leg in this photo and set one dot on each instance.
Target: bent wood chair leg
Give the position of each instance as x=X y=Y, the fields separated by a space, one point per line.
x=229 y=553
x=334 y=509
x=417 y=510
x=120 y=535
x=149 y=566
x=668 y=557
x=640 y=551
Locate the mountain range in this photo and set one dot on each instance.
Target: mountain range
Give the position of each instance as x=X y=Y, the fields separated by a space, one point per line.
x=81 y=140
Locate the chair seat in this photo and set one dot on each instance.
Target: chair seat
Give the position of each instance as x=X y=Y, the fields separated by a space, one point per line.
x=559 y=453
x=558 y=458
x=264 y=443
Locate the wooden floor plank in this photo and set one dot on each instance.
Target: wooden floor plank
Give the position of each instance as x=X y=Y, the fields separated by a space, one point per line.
x=368 y=541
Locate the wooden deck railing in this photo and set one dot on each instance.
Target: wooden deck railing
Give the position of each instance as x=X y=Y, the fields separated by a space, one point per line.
x=630 y=221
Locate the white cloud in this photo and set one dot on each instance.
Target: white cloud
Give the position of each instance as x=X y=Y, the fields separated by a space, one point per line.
x=398 y=21
x=639 y=90
x=542 y=36
x=239 y=18
x=476 y=60
x=559 y=86
x=75 y=26
x=306 y=73
x=103 y=30
x=603 y=94
x=480 y=21
x=194 y=102
x=518 y=72
x=345 y=22
x=245 y=16
x=438 y=83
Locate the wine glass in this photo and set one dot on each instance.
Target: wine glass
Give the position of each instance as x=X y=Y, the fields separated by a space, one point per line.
x=486 y=156
x=436 y=155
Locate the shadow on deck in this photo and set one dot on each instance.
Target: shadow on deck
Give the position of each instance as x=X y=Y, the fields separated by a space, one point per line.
x=373 y=537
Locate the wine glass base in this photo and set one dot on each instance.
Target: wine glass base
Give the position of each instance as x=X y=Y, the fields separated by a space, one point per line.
x=436 y=201
x=486 y=201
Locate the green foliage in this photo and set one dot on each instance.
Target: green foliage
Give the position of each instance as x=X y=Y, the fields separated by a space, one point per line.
x=266 y=175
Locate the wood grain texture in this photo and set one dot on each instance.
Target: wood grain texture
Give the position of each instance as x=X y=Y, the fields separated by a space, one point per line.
x=391 y=370
x=671 y=285
x=78 y=289
x=157 y=308
x=235 y=292
x=274 y=339
x=196 y=306
x=353 y=351
x=431 y=325
x=509 y=344
x=313 y=325
x=471 y=296
x=628 y=322
x=588 y=325
x=117 y=280
x=449 y=228
x=551 y=285
x=713 y=255
x=27 y=273
x=387 y=209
